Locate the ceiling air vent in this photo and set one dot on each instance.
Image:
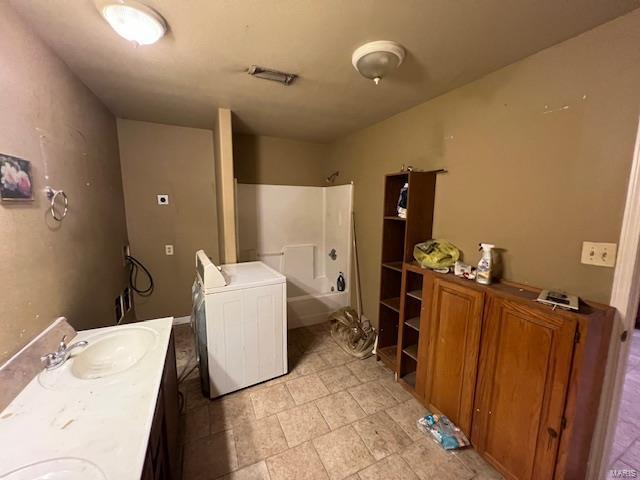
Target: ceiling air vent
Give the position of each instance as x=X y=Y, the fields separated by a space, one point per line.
x=273 y=75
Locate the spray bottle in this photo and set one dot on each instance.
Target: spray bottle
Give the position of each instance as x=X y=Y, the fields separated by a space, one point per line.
x=485 y=265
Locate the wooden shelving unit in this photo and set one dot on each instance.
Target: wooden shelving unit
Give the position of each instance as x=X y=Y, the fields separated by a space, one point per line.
x=399 y=236
x=397 y=266
x=392 y=303
x=413 y=323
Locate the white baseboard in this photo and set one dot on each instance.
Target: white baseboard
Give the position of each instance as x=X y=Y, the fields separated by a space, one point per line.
x=181 y=320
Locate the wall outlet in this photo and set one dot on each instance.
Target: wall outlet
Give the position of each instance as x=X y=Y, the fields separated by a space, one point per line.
x=163 y=199
x=600 y=254
x=168 y=249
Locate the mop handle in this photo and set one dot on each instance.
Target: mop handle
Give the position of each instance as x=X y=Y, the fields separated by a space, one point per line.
x=357 y=265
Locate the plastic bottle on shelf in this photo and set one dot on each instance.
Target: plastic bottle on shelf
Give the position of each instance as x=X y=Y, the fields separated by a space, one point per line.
x=485 y=265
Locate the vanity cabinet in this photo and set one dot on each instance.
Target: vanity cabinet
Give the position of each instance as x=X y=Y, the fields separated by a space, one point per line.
x=162 y=458
x=523 y=381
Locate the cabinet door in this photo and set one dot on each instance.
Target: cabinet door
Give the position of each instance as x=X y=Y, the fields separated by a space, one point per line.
x=525 y=361
x=454 y=343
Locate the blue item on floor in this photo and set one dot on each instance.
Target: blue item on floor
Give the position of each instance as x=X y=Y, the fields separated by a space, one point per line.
x=443 y=431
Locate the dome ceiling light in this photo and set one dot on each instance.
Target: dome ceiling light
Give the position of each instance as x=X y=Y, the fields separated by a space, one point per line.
x=133 y=21
x=375 y=60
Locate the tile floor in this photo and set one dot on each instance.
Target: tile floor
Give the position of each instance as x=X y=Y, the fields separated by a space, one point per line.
x=626 y=447
x=332 y=417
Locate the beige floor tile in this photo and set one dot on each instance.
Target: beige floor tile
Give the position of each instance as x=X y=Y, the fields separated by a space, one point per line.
x=335 y=356
x=258 y=440
x=406 y=415
x=396 y=390
x=323 y=328
x=338 y=378
x=321 y=343
x=366 y=371
x=230 y=410
x=307 y=388
x=280 y=379
x=429 y=461
x=309 y=363
x=381 y=435
x=372 y=397
x=391 y=468
x=193 y=394
x=271 y=400
x=210 y=457
x=339 y=409
x=342 y=452
x=302 y=423
x=474 y=462
x=183 y=336
x=197 y=424
x=632 y=455
x=298 y=463
x=257 y=471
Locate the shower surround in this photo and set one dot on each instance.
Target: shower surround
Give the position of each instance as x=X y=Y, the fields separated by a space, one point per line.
x=294 y=229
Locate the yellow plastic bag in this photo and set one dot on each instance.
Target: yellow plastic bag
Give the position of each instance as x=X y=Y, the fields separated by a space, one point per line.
x=436 y=254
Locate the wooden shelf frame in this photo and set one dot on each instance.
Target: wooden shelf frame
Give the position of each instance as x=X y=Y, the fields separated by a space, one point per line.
x=399 y=236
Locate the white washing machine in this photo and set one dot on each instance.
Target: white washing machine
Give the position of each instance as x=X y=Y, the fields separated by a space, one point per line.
x=240 y=322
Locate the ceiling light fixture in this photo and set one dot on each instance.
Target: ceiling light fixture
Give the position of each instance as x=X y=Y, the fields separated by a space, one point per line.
x=133 y=21
x=273 y=75
x=375 y=60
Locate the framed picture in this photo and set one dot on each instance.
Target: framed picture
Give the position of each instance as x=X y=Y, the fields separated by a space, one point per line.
x=15 y=179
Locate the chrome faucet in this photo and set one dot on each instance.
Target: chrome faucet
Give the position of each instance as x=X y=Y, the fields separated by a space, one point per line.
x=53 y=360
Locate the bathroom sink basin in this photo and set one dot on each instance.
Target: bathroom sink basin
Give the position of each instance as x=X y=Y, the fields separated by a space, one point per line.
x=112 y=353
x=67 y=468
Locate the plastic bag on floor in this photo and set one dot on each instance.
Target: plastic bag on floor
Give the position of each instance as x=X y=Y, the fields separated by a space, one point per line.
x=443 y=431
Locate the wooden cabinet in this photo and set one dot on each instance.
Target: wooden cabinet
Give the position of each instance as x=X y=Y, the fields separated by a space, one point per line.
x=522 y=387
x=455 y=323
x=523 y=381
x=162 y=458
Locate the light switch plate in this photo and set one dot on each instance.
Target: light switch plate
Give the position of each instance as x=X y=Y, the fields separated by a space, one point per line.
x=599 y=254
x=163 y=199
x=168 y=249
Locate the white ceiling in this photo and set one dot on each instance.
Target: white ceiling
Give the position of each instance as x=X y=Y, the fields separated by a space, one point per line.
x=200 y=65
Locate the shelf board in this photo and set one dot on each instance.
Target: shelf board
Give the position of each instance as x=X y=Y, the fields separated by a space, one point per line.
x=388 y=356
x=413 y=323
x=412 y=351
x=394 y=217
x=410 y=380
x=392 y=303
x=397 y=266
x=417 y=294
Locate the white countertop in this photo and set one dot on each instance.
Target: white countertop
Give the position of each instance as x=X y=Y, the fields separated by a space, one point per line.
x=105 y=421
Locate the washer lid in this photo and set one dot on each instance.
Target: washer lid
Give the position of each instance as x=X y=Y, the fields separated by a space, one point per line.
x=247 y=275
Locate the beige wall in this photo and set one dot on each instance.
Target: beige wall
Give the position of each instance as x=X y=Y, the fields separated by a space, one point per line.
x=75 y=268
x=279 y=161
x=178 y=161
x=538 y=155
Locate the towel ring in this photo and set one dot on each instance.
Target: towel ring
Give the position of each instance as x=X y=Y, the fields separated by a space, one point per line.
x=52 y=195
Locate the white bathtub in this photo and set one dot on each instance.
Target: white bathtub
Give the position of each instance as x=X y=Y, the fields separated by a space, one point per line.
x=307 y=310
